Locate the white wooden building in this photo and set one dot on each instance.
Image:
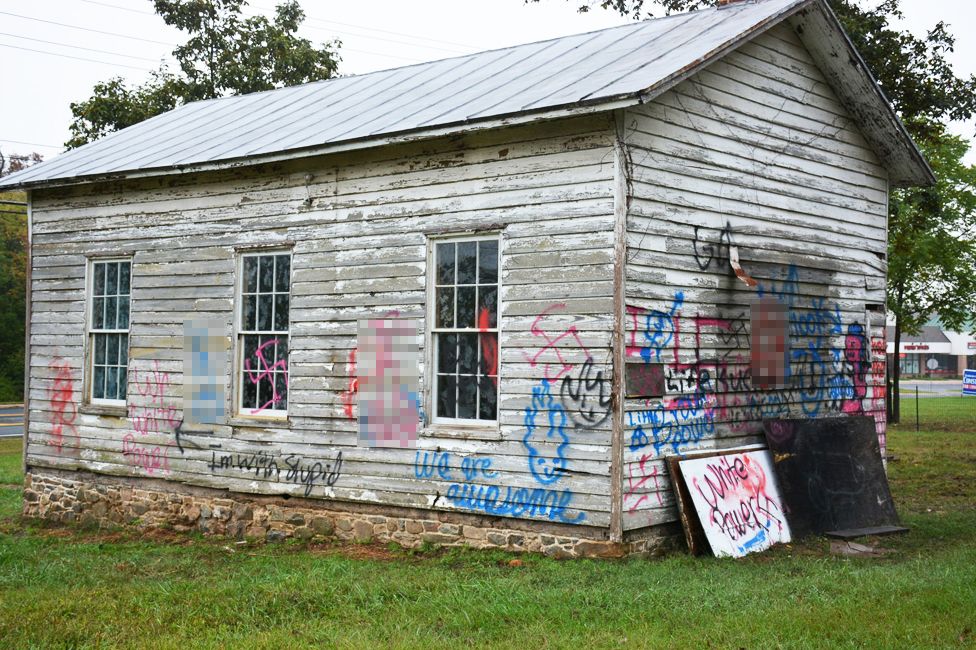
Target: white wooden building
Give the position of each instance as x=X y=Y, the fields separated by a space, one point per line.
x=597 y=240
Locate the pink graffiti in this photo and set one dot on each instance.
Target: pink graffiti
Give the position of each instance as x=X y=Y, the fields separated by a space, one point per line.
x=635 y=483
x=489 y=346
x=349 y=396
x=552 y=341
x=64 y=411
x=737 y=496
x=264 y=371
x=150 y=459
x=878 y=390
x=154 y=417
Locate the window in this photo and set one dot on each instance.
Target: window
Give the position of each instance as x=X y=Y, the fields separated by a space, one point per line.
x=263 y=334
x=465 y=330
x=108 y=334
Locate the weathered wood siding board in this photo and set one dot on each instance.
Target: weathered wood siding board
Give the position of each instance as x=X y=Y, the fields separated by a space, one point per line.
x=357 y=229
x=758 y=153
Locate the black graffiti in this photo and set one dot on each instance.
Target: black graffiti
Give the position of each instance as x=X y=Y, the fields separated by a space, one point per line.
x=267 y=466
x=707 y=252
x=587 y=397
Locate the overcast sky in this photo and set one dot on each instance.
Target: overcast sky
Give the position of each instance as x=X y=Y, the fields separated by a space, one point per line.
x=54 y=51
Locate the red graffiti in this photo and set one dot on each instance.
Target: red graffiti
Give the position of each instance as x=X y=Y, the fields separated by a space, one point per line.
x=64 y=411
x=264 y=371
x=489 y=346
x=635 y=483
x=736 y=493
x=150 y=459
x=154 y=417
x=552 y=341
x=349 y=396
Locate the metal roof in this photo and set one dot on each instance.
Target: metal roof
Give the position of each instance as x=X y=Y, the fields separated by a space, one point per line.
x=585 y=72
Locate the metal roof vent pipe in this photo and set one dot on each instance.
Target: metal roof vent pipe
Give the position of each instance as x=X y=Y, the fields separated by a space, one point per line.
x=727 y=3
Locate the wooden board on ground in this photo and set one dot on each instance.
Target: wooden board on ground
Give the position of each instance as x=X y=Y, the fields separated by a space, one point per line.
x=831 y=474
x=737 y=501
x=854 y=533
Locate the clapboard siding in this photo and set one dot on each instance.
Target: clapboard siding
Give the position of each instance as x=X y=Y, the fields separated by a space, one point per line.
x=759 y=147
x=357 y=226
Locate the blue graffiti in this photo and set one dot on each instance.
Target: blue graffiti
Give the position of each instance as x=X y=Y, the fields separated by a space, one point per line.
x=547 y=467
x=759 y=538
x=684 y=422
x=438 y=462
x=517 y=502
x=659 y=329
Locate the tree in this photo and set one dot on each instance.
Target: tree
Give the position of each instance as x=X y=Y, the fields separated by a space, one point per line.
x=13 y=279
x=932 y=254
x=225 y=54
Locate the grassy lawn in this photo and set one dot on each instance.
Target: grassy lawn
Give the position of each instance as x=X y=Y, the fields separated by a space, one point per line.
x=64 y=587
x=938 y=413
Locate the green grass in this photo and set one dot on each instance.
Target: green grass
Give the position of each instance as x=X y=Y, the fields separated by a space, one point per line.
x=11 y=472
x=938 y=413
x=64 y=587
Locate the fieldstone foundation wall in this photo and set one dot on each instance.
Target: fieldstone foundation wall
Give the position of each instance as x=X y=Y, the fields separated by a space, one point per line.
x=103 y=501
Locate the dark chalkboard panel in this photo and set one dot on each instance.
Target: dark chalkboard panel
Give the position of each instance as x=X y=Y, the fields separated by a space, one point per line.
x=830 y=474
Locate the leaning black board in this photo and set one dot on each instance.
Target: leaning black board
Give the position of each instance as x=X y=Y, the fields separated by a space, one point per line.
x=830 y=474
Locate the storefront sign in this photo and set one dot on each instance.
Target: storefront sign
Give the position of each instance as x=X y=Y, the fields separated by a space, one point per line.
x=916 y=347
x=969 y=382
x=971 y=345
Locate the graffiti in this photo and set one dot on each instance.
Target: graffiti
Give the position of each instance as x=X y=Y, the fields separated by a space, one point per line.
x=389 y=383
x=878 y=390
x=657 y=332
x=151 y=459
x=204 y=360
x=744 y=511
x=546 y=464
x=675 y=423
x=857 y=357
x=155 y=416
x=349 y=396
x=632 y=498
x=489 y=346
x=436 y=462
x=706 y=253
x=61 y=393
x=291 y=468
x=560 y=363
x=263 y=371
x=586 y=398
x=516 y=502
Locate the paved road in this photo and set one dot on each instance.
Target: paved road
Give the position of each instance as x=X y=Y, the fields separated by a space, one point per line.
x=11 y=421
x=927 y=388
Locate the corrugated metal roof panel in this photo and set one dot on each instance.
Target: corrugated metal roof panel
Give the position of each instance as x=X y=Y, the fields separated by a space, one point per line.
x=602 y=66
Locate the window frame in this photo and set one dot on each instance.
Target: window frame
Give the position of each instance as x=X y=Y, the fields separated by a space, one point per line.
x=438 y=423
x=91 y=332
x=239 y=376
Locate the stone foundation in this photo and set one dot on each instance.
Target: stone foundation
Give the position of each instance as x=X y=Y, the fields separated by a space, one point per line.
x=94 y=500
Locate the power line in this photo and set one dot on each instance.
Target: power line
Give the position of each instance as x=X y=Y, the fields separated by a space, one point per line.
x=87 y=29
x=78 y=47
x=32 y=144
x=76 y=58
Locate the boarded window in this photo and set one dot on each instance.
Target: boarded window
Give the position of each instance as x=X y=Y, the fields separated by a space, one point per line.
x=263 y=334
x=465 y=329
x=109 y=330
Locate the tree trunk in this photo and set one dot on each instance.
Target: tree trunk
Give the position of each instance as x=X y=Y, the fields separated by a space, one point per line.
x=895 y=410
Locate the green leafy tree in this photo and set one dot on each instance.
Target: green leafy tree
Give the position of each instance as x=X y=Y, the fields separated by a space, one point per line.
x=932 y=254
x=13 y=280
x=226 y=54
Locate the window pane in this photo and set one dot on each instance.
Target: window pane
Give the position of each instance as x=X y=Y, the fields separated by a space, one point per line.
x=281 y=351
x=264 y=312
x=487 y=307
x=112 y=279
x=98 y=313
x=100 y=348
x=111 y=349
x=111 y=312
x=98 y=382
x=489 y=354
x=466 y=261
x=250 y=347
x=123 y=350
x=112 y=382
x=282 y=272
x=124 y=270
x=250 y=274
x=467 y=405
x=281 y=312
x=249 y=313
x=468 y=354
x=249 y=393
x=99 y=279
x=487 y=406
x=123 y=323
x=266 y=274
x=282 y=388
x=447 y=353
x=446 y=387
x=445 y=264
x=445 y=307
x=487 y=262
x=465 y=306
x=123 y=379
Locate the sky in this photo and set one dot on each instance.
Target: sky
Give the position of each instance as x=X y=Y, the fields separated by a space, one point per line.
x=52 y=52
